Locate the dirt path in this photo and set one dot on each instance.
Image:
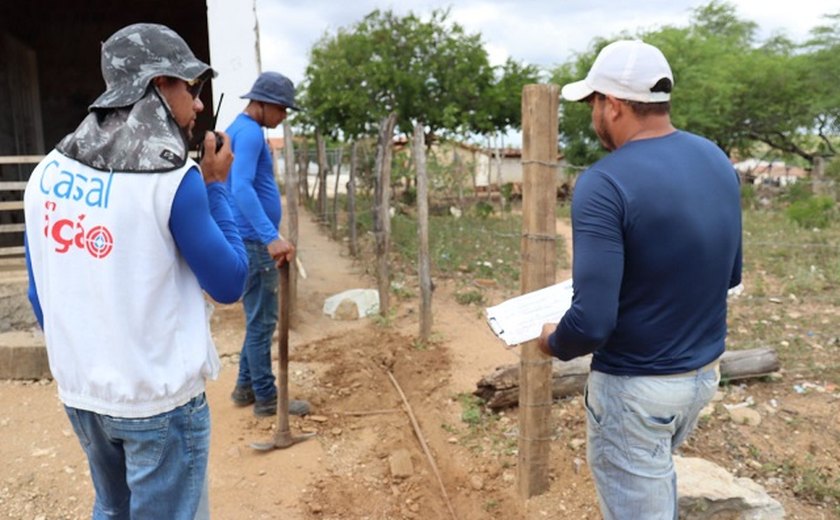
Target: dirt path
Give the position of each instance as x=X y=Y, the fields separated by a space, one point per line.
x=346 y=472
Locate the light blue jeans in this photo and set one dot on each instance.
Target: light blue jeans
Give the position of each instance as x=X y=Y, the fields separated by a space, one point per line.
x=154 y=467
x=633 y=425
x=260 y=304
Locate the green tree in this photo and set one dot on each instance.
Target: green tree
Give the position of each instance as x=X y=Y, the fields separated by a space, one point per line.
x=500 y=109
x=424 y=70
x=729 y=87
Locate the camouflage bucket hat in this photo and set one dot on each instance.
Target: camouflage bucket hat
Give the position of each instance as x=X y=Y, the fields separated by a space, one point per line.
x=134 y=55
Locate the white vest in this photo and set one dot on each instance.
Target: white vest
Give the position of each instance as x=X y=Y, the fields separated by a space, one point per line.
x=125 y=320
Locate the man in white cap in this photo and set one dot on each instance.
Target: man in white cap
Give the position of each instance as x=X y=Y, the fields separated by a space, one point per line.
x=257 y=212
x=123 y=232
x=657 y=244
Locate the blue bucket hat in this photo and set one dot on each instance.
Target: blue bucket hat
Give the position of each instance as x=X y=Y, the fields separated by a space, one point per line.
x=273 y=87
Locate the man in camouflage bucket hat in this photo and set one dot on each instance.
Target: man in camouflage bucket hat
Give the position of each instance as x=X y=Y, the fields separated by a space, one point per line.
x=123 y=232
x=129 y=128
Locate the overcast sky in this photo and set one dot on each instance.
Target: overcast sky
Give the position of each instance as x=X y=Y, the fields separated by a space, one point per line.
x=539 y=32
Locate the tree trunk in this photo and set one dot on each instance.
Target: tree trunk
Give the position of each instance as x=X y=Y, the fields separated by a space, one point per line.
x=335 y=191
x=323 y=168
x=382 y=224
x=424 y=264
x=351 y=201
x=458 y=168
x=818 y=176
x=502 y=198
x=303 y=169
x=501 y=388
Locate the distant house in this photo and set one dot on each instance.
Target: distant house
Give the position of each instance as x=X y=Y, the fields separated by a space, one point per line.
x=488 y=172
x=769 y=173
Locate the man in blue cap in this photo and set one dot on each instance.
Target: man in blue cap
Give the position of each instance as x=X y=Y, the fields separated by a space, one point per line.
x=257 y=212
x=657 y=245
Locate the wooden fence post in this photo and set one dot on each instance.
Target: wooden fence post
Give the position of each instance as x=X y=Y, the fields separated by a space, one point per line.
x=539 y=169
x=382 y=221
x=303 y=170
x=334 y=221
x=323 y=168
x=423 y=264
x=818 y=183
x=351 y=200
x=292 y=192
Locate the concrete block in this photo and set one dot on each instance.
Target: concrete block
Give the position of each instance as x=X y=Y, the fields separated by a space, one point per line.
x=23 y=355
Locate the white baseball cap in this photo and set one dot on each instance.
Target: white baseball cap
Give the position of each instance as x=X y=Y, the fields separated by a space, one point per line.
x=626 y=69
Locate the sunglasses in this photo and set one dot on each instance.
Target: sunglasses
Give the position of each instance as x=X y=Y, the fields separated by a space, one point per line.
x=194 y=87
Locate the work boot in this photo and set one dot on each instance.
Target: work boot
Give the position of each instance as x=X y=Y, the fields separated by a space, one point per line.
x=269 y=407
x=242 y=396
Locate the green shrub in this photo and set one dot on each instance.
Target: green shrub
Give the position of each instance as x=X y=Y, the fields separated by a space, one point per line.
x=813 y=212
x=409 y=196
x=469 y=297
x=506 y=190
x=749 y=199
x=798 y=191
x=483 y=209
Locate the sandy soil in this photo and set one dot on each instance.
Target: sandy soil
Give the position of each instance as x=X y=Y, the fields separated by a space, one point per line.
x=360 y=424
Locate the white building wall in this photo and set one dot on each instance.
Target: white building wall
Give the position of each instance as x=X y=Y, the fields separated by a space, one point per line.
x=233 y=54
x=487 y=173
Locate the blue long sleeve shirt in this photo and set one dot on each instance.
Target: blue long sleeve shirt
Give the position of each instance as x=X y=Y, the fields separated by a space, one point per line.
x=657 y=244
x=206 y=236
x=257 y=209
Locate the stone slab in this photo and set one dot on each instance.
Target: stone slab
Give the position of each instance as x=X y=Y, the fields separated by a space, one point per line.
x=23 y=355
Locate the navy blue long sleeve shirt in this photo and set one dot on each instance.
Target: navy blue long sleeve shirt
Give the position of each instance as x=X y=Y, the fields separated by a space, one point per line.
x=657 y=244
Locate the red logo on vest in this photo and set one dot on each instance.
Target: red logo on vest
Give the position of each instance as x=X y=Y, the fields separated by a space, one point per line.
x=98 y=241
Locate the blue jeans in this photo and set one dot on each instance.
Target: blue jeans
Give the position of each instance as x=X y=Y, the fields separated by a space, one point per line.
x=152 y=467
x=260 y=303
x=633 y=425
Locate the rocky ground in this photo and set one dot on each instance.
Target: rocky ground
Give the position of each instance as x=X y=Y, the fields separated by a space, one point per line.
x=366 y=460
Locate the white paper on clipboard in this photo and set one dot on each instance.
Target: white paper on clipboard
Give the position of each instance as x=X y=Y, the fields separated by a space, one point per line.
x=520 y=319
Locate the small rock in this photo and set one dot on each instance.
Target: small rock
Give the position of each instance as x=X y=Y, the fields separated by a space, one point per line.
x=41 y=452
x=336 y=431
x=707 y=411
x=316 y=508
x=400 y=463
x=746 y=416
x=317 y=418
x=575 y=444
x=477 y=482
x=452 y=440
x=347 y=310
x=775 y=377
